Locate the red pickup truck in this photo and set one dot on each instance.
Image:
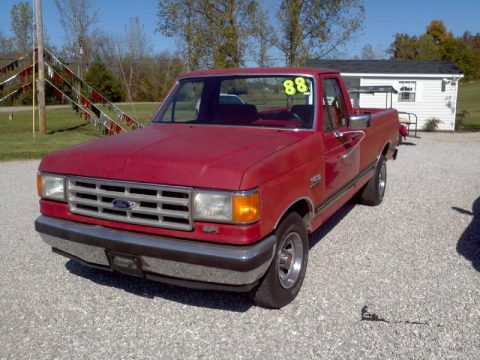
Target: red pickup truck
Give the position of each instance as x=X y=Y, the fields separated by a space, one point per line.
x=220 y=194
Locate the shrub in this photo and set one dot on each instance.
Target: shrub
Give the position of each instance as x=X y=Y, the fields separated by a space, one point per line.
x=102 y=80
x=432 y=124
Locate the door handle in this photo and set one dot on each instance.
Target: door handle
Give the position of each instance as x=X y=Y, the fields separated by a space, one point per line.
x=362 y=134
x=338 y=134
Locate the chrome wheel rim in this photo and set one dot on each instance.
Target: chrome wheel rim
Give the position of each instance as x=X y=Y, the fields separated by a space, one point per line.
x=382 y=180
x=290 y=260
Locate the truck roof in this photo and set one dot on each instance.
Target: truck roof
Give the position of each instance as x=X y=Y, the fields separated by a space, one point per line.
x=260 y=71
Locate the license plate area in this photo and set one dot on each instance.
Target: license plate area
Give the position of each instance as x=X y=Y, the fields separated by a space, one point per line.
x=125 y=263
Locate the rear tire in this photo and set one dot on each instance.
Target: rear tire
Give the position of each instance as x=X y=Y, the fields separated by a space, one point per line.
x=285 y=275
x=373 y=192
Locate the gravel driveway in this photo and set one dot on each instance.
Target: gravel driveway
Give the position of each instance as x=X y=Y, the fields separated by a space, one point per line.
x=396 y=281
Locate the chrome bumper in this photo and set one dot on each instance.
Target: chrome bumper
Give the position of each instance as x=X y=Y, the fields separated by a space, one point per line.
x=193 y=264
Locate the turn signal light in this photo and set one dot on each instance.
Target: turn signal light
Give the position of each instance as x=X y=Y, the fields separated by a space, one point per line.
x=246 y=208
x=39 y=184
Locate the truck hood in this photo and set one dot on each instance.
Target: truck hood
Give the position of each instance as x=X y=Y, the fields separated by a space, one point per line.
x=183 y=155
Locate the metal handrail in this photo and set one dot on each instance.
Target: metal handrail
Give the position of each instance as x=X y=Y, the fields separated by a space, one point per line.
x=409 y=122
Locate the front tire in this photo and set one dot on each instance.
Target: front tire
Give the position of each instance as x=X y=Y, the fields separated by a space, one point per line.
x=285 y=275
x=372 y=194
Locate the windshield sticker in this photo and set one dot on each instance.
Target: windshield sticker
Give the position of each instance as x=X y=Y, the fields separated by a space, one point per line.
x=297 y=85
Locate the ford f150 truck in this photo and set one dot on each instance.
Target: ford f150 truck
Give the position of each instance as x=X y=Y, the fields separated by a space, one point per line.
x=219 y=194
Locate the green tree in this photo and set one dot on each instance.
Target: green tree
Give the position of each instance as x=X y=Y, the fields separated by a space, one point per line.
x=230 y=23
x=316 y=28
x=473 y=44
x=179 y=19
x=437 y=43
x=102 y=80
x=404 y=47
x=291 y=44
x=437 y=30
x=21 y=18
x=456 y=50
x=427 y=48
x=5 y=49
x=211 y=33
x=155 y=76
x=163 y=70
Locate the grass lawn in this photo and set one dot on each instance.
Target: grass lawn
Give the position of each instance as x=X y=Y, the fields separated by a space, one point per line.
x=468 y=106
x=140 y=111
x=64 y=129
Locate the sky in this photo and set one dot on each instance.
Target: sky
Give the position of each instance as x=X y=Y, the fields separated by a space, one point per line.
x=383 y=19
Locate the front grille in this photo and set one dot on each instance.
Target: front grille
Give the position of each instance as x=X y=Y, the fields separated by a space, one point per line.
x=150 y=205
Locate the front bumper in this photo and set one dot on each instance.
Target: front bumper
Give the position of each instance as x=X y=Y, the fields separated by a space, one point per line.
x=176 y=261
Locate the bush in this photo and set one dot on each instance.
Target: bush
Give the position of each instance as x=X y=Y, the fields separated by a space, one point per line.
x=102 y=80
x=432 y=124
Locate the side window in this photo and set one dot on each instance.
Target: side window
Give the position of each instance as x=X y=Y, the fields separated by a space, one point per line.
x=186 y=105
x=334 y=109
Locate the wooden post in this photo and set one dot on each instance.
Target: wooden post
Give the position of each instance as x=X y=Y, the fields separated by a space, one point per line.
x=41 y=73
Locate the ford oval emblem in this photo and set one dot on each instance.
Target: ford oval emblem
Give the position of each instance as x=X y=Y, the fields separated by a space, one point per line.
x=123 y=204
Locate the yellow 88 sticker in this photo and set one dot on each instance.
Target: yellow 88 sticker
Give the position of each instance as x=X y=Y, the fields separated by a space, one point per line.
x=298 y=84
x=289 y=86
x=301 y=85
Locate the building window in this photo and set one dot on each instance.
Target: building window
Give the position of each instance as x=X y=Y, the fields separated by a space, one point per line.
x=407 y=91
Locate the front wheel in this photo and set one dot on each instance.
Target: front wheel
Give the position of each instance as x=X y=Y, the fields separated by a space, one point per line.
x=285 y=275
x=373 y=192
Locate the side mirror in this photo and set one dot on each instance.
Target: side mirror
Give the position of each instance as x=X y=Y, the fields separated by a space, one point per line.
x=359 y=121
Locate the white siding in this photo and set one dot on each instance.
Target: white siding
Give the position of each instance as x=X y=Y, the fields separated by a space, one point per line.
x=430 y=100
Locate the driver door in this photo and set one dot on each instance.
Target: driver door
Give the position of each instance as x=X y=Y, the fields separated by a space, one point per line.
x=341 y=163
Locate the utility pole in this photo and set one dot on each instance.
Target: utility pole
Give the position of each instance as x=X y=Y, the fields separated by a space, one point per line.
x=41 y=73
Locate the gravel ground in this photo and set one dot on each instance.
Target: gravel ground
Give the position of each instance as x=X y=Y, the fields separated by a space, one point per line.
x=401 y=280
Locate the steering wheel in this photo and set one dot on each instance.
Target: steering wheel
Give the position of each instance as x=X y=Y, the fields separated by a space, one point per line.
x=297 y=118
x=288 y=115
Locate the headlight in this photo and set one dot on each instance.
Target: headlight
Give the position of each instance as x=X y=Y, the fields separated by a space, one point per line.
x=51 y=187
x=236 y=207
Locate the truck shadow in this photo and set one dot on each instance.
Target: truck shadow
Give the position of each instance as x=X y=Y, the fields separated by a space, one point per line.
x=406 y=143
x=469 y=243
x=150 y=289
x=332 y=221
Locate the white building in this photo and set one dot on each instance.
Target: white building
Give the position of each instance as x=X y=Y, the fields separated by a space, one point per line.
x=426 y=88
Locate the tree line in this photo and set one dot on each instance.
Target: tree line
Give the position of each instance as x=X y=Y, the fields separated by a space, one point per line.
x=437 y=43
x=219 y=34
x=208 y=34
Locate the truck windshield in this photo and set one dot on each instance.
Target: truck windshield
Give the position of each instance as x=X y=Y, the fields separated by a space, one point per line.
x=285 y=101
